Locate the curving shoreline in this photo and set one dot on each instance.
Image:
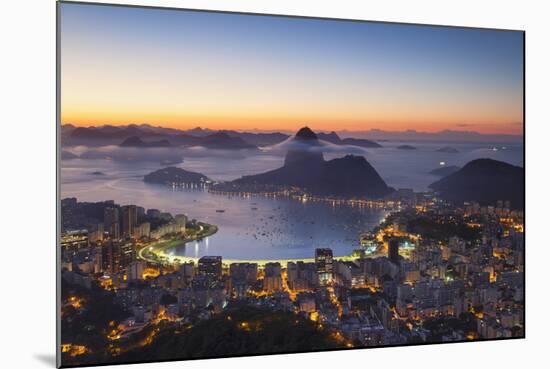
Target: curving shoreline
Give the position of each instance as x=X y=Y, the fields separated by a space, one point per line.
x=158 y=249
x=175 y=259
x=156 y=252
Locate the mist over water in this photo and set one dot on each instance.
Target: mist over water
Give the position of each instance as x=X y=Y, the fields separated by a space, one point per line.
x=322 y=146
x=275 y=228
x=410 y=168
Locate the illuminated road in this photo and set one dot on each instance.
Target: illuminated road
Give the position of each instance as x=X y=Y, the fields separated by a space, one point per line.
x=159 y=250
x=158 y=247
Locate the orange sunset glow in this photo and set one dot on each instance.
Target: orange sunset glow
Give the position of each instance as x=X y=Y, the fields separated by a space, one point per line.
x=211 y=72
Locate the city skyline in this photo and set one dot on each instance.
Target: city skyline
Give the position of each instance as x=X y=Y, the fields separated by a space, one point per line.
x=185 y=69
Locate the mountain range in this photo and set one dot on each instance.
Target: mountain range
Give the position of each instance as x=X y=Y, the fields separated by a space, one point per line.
x=152 y=136
x=219 y=140
x=333 y=137
x=134 y=141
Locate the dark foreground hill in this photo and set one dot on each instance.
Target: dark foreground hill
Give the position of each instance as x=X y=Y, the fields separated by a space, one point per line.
x=235 y=332
x=485 y=181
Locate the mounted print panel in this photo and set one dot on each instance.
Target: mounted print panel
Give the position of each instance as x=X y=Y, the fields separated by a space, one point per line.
x=239 y=184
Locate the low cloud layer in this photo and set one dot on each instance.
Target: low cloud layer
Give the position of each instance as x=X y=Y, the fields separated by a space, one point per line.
x=318 y=146
x=130 y=154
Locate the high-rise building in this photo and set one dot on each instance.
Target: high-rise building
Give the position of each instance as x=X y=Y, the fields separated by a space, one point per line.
x=208 y=292
x=273 y=281
x=98 y=259
x=393 y=250
x=301 y=276
x=210 y=266
x=243 y=272
x=135 y=270
x=143 y=230
x=116 y=255
x=129 y=220
x=323 y=264
x=105 y=256
x=140 y=211
x=127 y=253
x=187 y=271
x=181 y=221
x=97 y=234
x=111 y=222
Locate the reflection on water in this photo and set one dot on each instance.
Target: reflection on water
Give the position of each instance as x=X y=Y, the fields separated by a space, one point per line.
x=249 y=228
x=258 y=227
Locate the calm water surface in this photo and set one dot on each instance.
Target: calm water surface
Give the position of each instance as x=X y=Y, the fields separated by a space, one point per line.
x=259 y=227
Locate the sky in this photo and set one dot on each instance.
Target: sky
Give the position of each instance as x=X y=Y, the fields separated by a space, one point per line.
x=183 y=69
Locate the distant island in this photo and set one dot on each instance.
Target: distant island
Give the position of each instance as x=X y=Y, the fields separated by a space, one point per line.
x=406 y=147
x=174 y=175
x=170 y=162
x=448 y=149
x=485 y=181
x=97 y=173
x=348 y=177
x=444 y=171
x=361 y=142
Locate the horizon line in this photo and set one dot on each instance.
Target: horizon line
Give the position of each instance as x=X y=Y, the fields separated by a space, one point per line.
x=347 y=130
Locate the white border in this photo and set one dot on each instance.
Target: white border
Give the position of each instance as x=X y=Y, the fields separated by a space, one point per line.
x=28 y=179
